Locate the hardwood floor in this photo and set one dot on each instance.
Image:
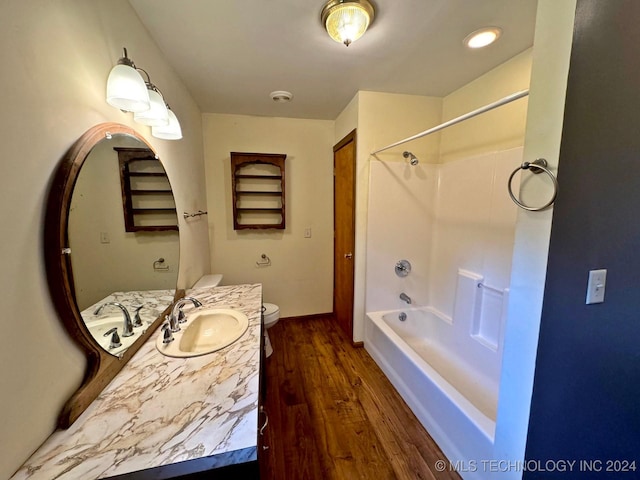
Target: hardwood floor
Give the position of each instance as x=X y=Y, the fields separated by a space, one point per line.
x=334 y=415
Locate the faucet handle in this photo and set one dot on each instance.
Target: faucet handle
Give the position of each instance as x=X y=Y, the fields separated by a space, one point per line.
x=137 y=321
x=173 y=322
x=181 y=316
x=167 y=336
x=115 y=338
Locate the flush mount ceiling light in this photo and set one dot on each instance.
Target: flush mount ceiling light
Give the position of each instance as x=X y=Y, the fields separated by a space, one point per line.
x=128 y=91
x=347 y=20
x=483 y=37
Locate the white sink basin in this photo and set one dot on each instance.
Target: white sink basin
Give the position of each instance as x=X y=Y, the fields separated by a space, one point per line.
x=206 y=330
x=98 y=328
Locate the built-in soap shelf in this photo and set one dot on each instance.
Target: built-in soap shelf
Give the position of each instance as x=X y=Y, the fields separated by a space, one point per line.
x=481 y=307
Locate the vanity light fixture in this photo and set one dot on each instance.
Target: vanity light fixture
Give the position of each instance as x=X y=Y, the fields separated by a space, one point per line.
x=172 y=131
x=347 y=20
x=483 y=37
x=158 y=114
x=128 y=91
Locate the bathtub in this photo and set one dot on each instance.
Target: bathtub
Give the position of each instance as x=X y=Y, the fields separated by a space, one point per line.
x=449 y=379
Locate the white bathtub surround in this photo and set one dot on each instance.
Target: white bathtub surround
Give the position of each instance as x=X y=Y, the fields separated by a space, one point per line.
x=441 y=218
x=455 y=223
x=171 y=415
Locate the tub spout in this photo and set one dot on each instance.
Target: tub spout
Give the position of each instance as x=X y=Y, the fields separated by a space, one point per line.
x=405 y=298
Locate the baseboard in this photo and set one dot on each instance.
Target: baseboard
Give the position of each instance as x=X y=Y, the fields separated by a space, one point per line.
x=309 y=317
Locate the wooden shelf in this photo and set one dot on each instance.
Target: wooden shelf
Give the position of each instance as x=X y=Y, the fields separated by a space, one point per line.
x=259 y=176
x=277 y=210
x=142 y=211
x=151 y=192
x=256 y=176
x=147 y=174
x=258 y=192
x=142 y=177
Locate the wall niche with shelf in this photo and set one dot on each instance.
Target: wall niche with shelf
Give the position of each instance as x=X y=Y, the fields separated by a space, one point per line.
x=147 y=200
x=258 y=186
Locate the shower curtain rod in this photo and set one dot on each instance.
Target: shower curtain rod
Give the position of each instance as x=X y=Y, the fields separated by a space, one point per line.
x=486 y=108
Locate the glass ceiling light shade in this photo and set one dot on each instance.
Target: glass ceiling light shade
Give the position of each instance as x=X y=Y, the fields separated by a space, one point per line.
x=172 y=131
x=347 y=20
x=126 y=89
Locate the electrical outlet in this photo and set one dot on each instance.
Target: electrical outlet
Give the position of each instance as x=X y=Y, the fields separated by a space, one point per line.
x=595 y=287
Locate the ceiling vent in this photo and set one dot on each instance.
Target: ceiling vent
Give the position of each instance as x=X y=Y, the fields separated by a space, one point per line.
x=281 y=96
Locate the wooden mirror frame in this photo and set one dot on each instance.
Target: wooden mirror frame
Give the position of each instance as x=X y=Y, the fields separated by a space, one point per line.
x=102 y=367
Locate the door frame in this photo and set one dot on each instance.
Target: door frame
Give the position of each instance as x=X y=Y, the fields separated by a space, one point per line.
x=351 y=137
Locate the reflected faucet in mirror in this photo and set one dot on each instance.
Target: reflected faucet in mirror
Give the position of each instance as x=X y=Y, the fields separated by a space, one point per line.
x=127 y=327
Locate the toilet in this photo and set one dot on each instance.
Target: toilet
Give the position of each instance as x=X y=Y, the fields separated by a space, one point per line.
x=271 y=315
x=207 y=281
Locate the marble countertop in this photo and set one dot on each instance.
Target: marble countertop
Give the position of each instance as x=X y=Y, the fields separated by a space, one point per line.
x=171 y=415
x=153 y=303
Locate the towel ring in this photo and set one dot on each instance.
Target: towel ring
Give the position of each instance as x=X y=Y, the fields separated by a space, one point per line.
x=537 y=166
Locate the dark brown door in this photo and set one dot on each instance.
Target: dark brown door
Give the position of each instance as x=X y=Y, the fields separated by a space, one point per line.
x=344 y=167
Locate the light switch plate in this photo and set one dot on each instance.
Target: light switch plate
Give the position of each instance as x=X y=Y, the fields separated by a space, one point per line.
x=596 y=286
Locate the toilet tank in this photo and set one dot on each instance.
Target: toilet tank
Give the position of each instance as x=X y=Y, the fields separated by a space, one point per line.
x=212 y=280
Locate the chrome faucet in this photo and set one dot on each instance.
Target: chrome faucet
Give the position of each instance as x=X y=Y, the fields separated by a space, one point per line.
x=127 y=328
x=405 y=298
x=174 y=319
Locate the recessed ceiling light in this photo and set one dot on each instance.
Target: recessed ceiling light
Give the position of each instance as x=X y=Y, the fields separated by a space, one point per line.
x=483 y=37
x=281 y=96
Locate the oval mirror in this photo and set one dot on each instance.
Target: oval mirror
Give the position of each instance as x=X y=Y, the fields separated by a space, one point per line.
x=111 y=250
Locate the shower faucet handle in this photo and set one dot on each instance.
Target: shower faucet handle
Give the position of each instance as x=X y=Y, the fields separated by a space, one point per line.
x=403 y=268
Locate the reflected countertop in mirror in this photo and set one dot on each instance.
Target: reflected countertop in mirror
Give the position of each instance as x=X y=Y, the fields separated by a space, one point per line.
x=147 y=304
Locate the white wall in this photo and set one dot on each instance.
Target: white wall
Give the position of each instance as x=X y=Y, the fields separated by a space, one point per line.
x=57 y=56
x=300 y=278
x=383 y=119
x=347 y=120
x=499 y=129
x=551 y=53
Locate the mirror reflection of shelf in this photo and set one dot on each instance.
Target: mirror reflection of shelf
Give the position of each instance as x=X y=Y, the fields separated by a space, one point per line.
x=147 y=199
x=258 y=190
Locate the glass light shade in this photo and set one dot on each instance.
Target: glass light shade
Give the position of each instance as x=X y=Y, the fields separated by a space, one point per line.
x=126 y=89
x=168 y=132
x=157 y=115
x=347 y=22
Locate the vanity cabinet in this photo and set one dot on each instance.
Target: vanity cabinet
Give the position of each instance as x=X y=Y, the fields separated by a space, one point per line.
x=147 y=199
x=258 y=189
